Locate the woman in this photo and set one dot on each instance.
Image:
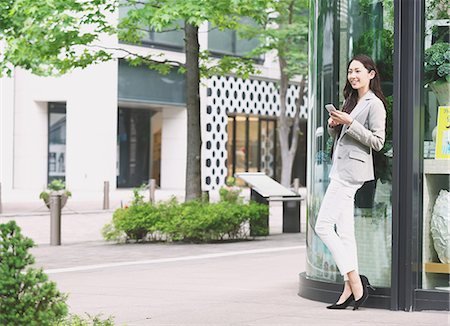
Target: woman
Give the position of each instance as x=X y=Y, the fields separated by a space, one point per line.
x=357 y=130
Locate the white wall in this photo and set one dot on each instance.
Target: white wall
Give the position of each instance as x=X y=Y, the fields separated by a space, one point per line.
x=6 y=134
x=173 y=148
x=91 y=99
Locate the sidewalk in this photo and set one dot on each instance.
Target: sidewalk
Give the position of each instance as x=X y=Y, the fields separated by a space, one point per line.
x=234 y=283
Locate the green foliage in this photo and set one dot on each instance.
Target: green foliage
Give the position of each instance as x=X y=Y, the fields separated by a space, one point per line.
x=89 y=320
x=437 y=63
x=193 y=221
x=26 y=295
x=163 y=15
x=56 y=185
x=44 y=36
x=286 y=31
x=378 y=44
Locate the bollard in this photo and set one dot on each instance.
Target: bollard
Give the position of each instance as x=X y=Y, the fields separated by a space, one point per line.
x=55 y=220
x=106 y=195
x=1 y=208
x=151 y=189
x=296 y=185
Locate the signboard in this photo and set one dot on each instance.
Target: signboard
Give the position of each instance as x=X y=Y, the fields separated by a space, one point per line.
x=443 y=133
x=264 y=185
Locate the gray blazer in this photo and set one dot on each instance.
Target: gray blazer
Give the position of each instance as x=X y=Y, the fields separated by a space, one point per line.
x=354 y=162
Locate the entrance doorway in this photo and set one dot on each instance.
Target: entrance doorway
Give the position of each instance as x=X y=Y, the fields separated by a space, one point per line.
x=138 y=147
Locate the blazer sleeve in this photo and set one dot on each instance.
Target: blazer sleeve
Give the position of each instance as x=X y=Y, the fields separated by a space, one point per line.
x=332 y=131
x=373 y=137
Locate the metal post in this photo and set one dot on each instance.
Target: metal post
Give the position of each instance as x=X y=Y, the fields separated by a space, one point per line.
x=1 y=208
x=106 y=195
x=151 y=189
x=296 y=185
x=55 y=220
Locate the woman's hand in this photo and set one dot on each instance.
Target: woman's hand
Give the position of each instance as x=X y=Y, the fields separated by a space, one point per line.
x=332 y=123
x=340 y=117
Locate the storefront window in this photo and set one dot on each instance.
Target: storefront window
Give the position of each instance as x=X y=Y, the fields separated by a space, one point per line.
x=347 y=28
x=251 y=145
x=436 y=150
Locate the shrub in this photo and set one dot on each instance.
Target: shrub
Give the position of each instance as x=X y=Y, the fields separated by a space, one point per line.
x=230 y=192
x=26 y=295
x=76 y=320
x=193 y=221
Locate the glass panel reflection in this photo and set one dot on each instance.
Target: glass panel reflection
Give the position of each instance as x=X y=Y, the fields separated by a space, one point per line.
x=436 y=148
x=343 y=29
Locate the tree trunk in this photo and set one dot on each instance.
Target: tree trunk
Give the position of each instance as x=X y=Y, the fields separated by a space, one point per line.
x=284 y=126
x=193 y=169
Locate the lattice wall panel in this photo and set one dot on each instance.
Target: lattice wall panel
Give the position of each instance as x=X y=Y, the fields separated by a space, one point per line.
x=240 y=96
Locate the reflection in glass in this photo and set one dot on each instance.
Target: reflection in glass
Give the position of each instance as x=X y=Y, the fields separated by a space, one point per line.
x=240 y=149
x=342 y=29
x=56 y=141
x=133 y=144
x=253 y=144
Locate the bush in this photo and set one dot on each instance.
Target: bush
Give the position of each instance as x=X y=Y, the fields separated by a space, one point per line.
x=26 y=295
x=193 y=221
x=76 y=320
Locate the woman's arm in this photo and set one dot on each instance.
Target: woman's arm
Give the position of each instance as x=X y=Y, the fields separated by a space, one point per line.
x=373 y=137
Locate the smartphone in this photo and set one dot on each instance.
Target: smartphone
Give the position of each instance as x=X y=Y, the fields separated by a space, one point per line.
x=330 y=107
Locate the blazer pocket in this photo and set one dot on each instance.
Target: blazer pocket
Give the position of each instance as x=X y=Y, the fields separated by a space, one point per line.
x=358 y=156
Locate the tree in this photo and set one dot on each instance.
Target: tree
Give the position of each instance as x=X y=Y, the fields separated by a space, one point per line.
x=65 y=34
x=287 y=32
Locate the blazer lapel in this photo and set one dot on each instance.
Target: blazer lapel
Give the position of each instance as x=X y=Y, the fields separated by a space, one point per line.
x=359 y=108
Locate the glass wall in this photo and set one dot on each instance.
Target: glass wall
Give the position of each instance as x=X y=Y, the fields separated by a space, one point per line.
x=436 y=148
x=340 y=30
x=56 y=141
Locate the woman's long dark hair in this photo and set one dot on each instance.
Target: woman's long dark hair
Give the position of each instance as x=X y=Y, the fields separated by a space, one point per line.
x=351 y=94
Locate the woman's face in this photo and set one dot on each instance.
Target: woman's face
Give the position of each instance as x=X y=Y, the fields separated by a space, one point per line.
x=358 y=76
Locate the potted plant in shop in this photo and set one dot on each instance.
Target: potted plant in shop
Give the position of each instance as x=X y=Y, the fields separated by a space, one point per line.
x=437 y=71
x=58 y=187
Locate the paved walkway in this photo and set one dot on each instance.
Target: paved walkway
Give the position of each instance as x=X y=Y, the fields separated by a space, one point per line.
x=234 y=283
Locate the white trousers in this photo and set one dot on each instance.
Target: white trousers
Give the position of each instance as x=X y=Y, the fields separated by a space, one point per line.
x=337 y=209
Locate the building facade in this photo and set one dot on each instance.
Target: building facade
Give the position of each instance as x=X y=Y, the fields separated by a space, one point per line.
x=402 y=217
x=125 y=125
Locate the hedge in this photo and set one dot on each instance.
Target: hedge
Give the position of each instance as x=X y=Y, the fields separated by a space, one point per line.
x=193 y=221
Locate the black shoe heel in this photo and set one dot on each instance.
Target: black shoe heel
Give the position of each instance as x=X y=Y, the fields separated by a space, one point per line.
x=342 y=305
x=366 y=285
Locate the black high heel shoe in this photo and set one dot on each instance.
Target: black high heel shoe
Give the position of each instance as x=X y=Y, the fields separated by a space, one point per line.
x=342 y=305
x=366 y=285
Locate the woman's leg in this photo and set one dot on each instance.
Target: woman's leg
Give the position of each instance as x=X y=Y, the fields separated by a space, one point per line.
x=345 y=227
x=336 y=202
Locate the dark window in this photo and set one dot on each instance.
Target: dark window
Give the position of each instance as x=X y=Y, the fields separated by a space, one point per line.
x=56 y=141
x=228 y=42
x=172 y=38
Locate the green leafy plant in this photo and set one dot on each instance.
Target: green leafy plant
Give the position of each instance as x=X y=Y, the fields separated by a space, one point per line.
x=57 y=186
x=27 y=297
x=230 y=192
x=88 y=320
x=437 y=63
x=193 y=221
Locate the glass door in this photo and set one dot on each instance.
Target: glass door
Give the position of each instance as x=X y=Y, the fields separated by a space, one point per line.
x=436 y=148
